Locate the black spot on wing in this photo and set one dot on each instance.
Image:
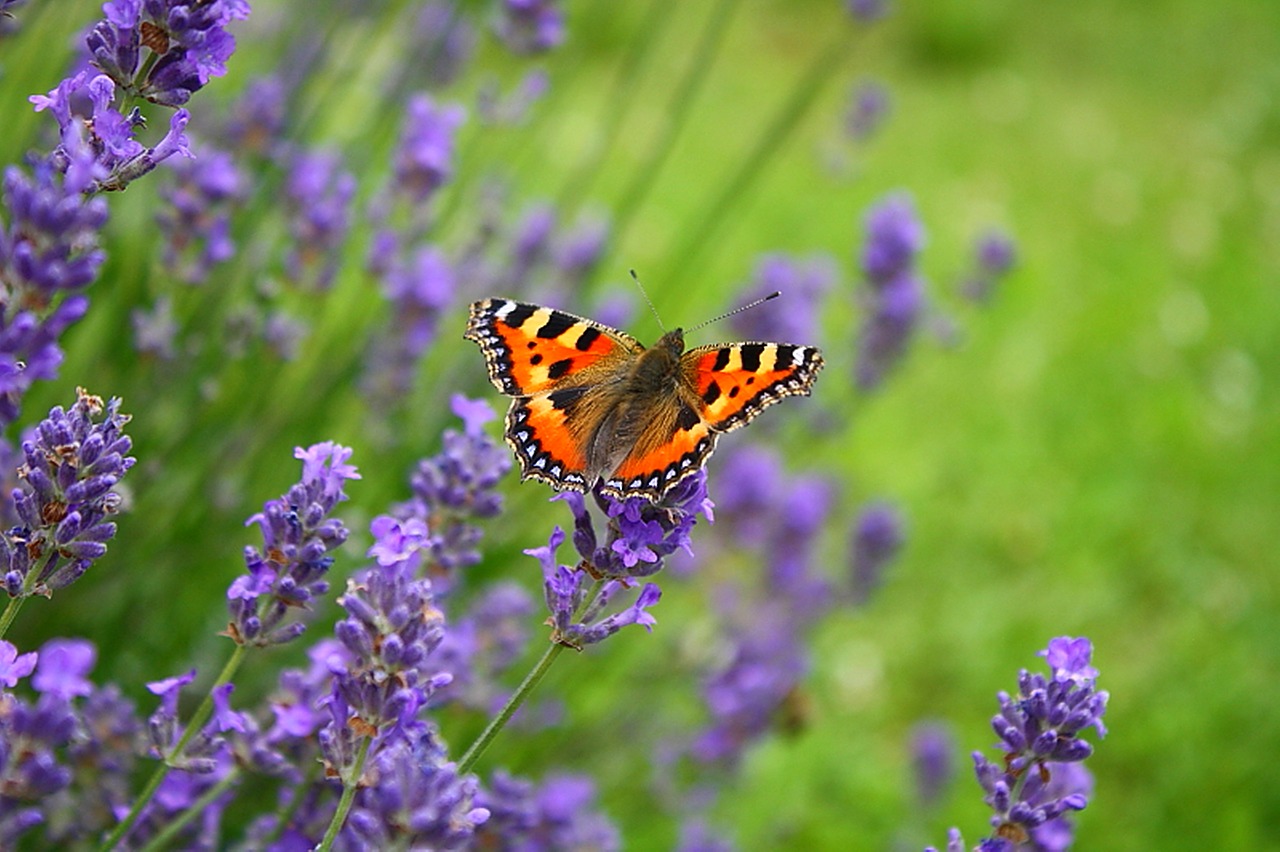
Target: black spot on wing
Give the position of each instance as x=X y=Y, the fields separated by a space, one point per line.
x=712 y=393
x=722 y=359
x=565 y=400
x=687 y=418
x=751 y=356
x=786 y=352
x=733 y=392
x=559 y=368
x=556 y=325
x=587 y=338
x=536 y=359
x=516 y=316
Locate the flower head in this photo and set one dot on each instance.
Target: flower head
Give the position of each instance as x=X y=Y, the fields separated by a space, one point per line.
x=288 y=572
x=73 y=464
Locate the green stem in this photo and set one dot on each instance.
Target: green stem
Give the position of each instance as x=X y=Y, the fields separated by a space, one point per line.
x=162 y=838
x=157 y=778
x=778 y=131
x=28 y=585
x=509 y=709
x=350 y=783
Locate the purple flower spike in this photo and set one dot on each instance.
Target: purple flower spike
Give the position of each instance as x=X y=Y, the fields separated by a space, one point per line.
x=575 y=618
x=179 y=45
x=877 y=538
x=561 y=814
x=318 y=192
x=288 y=572
x=893 y=298
x=424 y=158
x=933 y=760
x=72 y=466
x=803 y=283
x=197 y=224
x=994 y=255
x=1039 y=782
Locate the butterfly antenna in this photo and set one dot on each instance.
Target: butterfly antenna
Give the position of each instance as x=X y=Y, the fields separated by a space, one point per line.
x=775 y=294
x=636 y=278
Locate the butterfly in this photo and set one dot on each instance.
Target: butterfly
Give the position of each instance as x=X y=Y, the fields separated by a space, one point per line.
x=594 y=405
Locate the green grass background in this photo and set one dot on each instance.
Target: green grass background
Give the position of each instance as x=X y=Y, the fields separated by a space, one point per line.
x=1099 y=456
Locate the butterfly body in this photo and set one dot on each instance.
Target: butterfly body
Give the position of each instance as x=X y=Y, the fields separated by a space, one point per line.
x=592 y=404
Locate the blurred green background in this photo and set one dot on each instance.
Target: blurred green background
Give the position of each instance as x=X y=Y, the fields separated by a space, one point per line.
x=1097 y=454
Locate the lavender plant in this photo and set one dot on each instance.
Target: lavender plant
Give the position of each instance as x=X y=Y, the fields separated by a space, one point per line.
x=361 y=745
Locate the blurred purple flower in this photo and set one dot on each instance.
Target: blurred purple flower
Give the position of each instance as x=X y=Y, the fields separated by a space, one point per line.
x=530 y=26
x=559 y=814
x=877 y=538
x=868 y=11
x=423 y=160
x=15 y=666
x=513 y=109
x=64 y=665
x=155 y=331
x=446 y=41
x=72 y=465
x=297 y=536
x=257 y=121
x=803 y=282
x=318 y=194
x=932 y=760
x=420 y=289
x=994 y=255
x=197 y=223
x=894 y=296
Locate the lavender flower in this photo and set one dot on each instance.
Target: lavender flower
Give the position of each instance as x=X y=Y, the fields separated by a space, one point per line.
x=482 y=644
x=513 y=109
x=1038 y=782
x=392 y=626
x=932 y=760
x=877 y=538
x=577 y=605
x=318 y=194
x=48 y=255
x=15 y=666
x=868 y=11
x=197 y=225
x=155 y=331
x=423 y=160
x=803 y=282
x=288 y=573
x=72 y=466
x=420 y=289
x=894 y=295
x=446 y=41
x=530 y=26
x=115 y=158
x=257 y=120
x=449 y=491
x=559 y=814
x=995 y=254
x=165 y=50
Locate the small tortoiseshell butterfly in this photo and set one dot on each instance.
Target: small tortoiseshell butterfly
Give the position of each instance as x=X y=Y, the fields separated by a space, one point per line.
x=591 y=403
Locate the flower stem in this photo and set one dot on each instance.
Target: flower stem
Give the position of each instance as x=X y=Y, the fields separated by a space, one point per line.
x=28 y=584
x=194 y=725
x=162 y=838
x=508 y=710
x=350 y=783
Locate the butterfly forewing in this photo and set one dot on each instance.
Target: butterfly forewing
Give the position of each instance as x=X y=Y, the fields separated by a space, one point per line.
x=531 y=349
x=736 y=381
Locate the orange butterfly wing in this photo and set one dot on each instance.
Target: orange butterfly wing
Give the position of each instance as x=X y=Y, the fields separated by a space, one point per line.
x=720 y=388
x=558 y=366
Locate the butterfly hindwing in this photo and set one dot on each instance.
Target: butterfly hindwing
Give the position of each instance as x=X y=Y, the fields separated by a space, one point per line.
x=531 y=349
x=563 y=371
x=736 y=381
x=676 y=443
